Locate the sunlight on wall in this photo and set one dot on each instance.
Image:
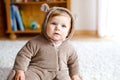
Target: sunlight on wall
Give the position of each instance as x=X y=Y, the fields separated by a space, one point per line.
x=109 y=18
x=113 y=23
x=113 y=20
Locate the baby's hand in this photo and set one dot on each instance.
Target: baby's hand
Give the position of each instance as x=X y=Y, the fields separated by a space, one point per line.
x=19 y=75
x=75 y=77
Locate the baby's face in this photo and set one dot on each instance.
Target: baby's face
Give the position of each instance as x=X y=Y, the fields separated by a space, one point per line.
x=58 y=27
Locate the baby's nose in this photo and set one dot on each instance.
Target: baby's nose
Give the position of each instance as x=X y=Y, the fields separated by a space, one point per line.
x=57 y=27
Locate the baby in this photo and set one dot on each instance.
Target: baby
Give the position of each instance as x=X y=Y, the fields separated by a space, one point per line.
x=49 y=55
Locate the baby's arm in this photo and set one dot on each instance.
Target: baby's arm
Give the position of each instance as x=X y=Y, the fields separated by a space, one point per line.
x=73 y=65
x=19 y=75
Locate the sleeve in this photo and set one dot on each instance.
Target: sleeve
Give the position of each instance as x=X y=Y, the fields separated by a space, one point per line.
x=24 y=56
x=73 y=63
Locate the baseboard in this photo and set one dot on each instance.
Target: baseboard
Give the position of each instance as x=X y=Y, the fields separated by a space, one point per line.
x=85 y=33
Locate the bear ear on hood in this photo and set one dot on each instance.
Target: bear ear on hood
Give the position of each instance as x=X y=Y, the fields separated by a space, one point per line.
x=44 y=7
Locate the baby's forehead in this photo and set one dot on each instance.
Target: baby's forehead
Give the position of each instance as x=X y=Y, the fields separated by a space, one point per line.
x=62 y=18
x=61 y=15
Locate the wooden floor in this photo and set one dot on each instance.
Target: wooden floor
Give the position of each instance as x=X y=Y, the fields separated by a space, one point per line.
x=95 y=38
x=75 y=37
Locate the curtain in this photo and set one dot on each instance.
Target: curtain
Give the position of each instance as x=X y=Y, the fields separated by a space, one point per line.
x=109 y=18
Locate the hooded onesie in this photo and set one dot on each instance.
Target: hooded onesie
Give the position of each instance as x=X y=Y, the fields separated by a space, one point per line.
x=41 y=60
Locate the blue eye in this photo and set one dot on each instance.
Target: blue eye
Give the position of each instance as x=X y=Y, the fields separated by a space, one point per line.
x=64 y=26
x=53 y=23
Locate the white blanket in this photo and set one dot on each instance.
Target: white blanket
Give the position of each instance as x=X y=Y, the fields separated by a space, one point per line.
x=99 y=60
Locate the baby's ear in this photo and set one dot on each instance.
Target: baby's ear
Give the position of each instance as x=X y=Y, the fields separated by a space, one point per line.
x=75 y=16
x=44 y=7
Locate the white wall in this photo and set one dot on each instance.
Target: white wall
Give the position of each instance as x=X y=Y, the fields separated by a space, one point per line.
x=85 y=11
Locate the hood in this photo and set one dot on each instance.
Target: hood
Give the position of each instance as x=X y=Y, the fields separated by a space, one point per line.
x=48 y=11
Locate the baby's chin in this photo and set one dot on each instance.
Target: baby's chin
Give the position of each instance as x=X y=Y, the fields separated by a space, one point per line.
x=57 y=40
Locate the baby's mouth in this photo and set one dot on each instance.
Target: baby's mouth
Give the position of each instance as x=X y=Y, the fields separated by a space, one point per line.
x=56 y=34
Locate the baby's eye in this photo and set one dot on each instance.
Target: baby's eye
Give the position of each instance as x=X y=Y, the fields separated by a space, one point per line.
x=64 y=26
x=53 y=23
